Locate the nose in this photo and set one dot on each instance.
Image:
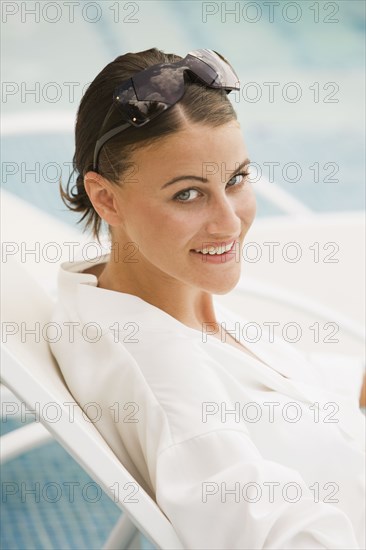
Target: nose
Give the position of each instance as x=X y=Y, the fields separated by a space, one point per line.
x=223 y=221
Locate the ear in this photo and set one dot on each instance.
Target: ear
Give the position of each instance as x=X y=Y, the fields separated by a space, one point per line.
x=103 y=196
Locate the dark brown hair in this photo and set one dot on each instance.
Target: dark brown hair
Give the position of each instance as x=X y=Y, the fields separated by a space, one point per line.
x=199 y=104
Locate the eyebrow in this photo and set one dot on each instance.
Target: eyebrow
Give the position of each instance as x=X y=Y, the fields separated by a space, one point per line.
x=203 y=180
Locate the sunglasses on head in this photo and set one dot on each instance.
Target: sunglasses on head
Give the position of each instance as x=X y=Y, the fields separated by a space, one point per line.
x=152 y=91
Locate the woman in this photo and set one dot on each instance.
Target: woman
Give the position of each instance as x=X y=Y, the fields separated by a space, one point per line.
x=199 y=417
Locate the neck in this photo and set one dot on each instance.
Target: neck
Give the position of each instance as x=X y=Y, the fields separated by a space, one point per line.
x=189 y=305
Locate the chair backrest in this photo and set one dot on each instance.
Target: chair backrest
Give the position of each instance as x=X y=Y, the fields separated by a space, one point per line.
x=307 y=272
x=319 y=257
x=30 y=371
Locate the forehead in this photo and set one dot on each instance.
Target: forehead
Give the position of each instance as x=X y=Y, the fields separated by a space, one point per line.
x=190 y=148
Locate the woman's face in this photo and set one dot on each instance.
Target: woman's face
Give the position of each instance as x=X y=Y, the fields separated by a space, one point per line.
x=210 y=202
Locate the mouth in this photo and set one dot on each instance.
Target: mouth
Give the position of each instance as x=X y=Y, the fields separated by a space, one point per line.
x=217 y=250
x=216 y=253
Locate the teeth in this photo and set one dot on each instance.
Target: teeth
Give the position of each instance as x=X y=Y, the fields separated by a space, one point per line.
x=216 y=249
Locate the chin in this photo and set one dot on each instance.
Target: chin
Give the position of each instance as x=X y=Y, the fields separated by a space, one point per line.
x=223 y=291
x=225 y=286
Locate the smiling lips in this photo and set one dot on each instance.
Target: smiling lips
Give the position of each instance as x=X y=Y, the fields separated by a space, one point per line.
x=211 y=249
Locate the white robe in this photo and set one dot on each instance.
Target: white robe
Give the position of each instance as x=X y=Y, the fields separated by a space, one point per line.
x=236 y=455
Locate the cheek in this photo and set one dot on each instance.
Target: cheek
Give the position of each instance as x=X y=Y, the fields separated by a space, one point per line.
x=153 y=224
x=252 y=208
x=247 y=207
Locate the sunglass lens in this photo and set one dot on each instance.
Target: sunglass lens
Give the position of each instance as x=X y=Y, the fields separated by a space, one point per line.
x=213 y=69
x=138 y=113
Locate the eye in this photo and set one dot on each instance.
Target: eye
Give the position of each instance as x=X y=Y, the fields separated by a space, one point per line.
x=240 y=178
x=183 y=194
